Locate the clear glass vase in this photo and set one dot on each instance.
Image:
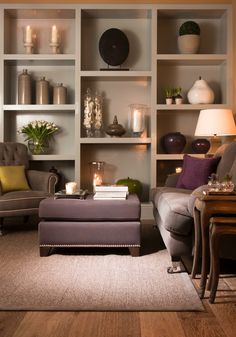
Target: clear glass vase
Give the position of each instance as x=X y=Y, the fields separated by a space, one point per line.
x=38 y=146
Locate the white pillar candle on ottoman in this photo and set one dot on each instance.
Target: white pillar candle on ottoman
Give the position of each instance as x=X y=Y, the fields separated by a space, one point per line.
x=71 y=187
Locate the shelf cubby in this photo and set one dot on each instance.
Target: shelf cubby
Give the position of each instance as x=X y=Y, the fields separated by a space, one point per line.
x=41 y=21
x=171 y=74
x=183 y=121
x=135 y=23
x=115 y=157
x=63 y=142
x=112 y=89
x=213 y=26
x=38 y=69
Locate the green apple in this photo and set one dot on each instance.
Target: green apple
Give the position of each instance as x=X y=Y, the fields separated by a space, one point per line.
x=134 y=185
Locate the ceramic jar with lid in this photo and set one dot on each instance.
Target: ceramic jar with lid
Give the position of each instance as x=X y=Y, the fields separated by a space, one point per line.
x=115 y=129
x=59 y=94
x=42 y=91
x=24 y=88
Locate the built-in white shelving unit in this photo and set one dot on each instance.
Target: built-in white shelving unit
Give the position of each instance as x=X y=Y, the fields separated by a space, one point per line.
x=154 y=63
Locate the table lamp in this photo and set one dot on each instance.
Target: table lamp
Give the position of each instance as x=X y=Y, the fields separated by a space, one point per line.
x=215 y=123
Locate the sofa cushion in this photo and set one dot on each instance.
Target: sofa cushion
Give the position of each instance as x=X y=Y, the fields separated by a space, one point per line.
x=158 y=191
x=172 y=206
x=196 y=171
x=13 y=178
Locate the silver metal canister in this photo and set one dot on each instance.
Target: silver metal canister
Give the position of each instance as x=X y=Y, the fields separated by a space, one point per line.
x=24 y=88
x=42 y=91
x=59 y=94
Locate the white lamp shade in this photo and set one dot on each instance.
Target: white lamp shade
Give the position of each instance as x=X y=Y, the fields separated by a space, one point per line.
x=215 y=122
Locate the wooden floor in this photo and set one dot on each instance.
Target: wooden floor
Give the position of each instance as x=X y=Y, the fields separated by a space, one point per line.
x=218 y=320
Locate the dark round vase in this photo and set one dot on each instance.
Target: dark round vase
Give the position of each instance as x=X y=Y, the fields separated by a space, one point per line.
x=201 y=145
x=174 y=142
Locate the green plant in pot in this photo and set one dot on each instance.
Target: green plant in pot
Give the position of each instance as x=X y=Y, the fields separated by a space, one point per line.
x=178 y=95
x=169 y=95
x=189 y=37
x=134 y=185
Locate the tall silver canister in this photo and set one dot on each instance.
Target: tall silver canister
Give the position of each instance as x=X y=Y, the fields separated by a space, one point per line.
x=24 y=88
x=59 y=94
x=42 y=91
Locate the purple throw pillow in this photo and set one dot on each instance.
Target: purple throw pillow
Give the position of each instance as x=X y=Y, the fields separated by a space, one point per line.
x=196 y=171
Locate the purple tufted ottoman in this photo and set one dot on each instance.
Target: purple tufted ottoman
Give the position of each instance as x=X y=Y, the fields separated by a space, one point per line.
x=90 y=223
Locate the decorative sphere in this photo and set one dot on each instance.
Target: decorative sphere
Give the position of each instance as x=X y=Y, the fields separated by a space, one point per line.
x=201 y=145
x=134 y=185
x=173 y=142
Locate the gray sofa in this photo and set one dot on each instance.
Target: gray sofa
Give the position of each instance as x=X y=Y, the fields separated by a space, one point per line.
x=173 y=207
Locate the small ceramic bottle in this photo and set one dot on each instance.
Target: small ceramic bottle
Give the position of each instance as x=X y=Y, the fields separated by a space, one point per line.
x=59 y=94
x=24 y=88
x=42 y=91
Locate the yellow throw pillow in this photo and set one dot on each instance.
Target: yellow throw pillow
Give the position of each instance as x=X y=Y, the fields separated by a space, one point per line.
x=13 y=178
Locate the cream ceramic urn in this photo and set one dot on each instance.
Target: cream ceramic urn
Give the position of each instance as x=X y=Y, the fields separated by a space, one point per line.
x=201 y=93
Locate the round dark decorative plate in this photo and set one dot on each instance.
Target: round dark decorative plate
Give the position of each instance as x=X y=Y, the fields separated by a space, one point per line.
x=114 y=46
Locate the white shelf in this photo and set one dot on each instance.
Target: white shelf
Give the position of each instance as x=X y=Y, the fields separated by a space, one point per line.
x=39 y=57
x=115 y=73
x=177 y=156
x=115 y=140
x=192 y=59
x=52 y=157
x=37 y=107
x=190 y=106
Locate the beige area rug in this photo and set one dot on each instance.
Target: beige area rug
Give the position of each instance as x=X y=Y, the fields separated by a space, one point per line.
x=90 y=280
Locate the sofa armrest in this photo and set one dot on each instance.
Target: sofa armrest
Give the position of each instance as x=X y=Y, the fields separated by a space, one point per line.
x=172 y=179
x=193 y=197
x=42 y=181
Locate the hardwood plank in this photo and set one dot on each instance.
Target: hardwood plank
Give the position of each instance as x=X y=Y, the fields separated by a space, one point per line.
x=160 y=324
x=105 y=324
x=45 y=324
x=9 y=322
x=224 y=307
x=198 y=324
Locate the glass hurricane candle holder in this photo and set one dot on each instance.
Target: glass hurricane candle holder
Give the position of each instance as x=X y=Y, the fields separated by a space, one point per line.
x=97 y=173
x=137 y=119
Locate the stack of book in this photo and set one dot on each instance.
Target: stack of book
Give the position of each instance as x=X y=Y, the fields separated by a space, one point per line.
x=111 y=192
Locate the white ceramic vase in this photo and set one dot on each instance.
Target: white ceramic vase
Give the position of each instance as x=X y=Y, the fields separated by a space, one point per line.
x=200 y=93
x=189 y=44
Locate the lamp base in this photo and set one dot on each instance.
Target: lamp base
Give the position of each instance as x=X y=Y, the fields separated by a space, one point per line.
x=215 y=144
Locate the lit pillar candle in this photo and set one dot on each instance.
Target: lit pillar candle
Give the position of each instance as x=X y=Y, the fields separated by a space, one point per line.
x=97 y=180
x=54 y=37
x=71 y=187
x=178 y=169
x=28 y=34
x=137 y=121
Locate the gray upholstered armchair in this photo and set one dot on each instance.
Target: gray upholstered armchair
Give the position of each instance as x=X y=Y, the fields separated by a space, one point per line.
x=41 y=184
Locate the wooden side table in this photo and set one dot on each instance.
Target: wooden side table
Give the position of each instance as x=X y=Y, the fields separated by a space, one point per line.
x=219 y=226
x=205 y=207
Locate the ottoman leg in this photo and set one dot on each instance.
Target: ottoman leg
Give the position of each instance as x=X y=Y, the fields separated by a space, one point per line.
x=134 y=251
x=44 y=251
